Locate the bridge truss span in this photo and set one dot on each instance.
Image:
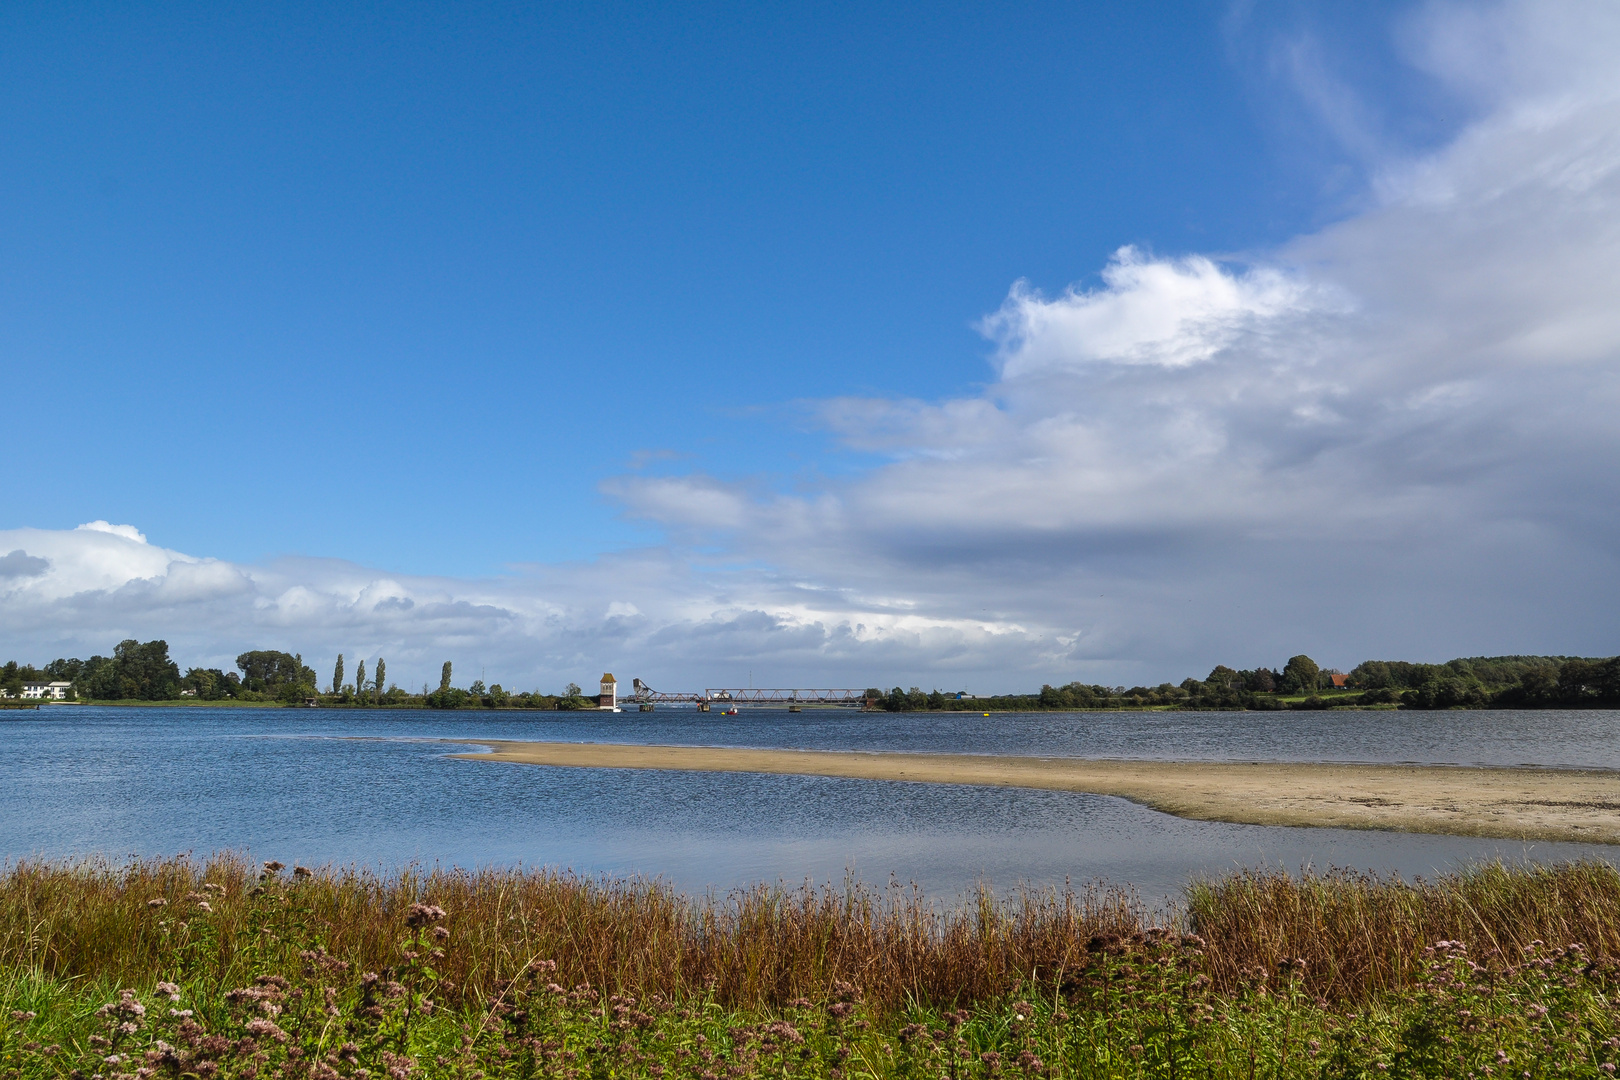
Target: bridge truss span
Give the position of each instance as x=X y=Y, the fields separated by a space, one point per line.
x=732 y=695
x=818 y=696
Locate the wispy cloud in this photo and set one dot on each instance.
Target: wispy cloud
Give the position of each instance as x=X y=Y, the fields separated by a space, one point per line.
x=670 y=620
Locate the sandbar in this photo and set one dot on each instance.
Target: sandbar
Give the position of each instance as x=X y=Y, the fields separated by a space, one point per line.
x=1507 y=803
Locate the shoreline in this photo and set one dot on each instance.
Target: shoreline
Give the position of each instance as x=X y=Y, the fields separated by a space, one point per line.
x=1581 y=806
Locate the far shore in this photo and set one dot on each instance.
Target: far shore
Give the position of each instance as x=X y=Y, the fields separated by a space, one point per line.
x=1505 y=803
x=590 y=711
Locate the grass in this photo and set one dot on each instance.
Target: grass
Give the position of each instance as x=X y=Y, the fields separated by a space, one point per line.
x=214 y=969
x=1330 y=696
x=1361 y=935
x=756 y=947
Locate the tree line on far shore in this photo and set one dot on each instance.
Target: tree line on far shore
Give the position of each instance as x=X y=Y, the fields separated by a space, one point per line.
x=1480 y=682
x=143 y=671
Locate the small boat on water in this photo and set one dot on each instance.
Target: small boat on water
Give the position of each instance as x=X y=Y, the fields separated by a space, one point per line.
x=729 y=712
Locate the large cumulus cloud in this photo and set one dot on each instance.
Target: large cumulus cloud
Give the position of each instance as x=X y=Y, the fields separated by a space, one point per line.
x=1393 y=436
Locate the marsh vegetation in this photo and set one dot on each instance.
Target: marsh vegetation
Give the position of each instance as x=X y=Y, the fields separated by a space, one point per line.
x=176 y=968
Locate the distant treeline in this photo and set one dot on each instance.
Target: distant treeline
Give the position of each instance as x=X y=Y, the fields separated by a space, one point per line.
x=1477 y=682
x=143 y=671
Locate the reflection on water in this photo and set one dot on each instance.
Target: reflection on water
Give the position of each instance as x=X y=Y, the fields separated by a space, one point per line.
x=289 y=785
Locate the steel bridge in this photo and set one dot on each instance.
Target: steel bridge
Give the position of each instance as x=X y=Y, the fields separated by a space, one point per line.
x=731 y=695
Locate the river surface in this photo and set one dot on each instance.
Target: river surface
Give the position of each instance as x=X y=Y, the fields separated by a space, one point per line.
x=378 y=789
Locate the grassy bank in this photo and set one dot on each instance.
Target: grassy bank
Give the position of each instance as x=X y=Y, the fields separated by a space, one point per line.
x=215 y=970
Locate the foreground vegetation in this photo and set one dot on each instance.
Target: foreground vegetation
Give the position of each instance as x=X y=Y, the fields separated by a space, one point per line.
x=175 y=969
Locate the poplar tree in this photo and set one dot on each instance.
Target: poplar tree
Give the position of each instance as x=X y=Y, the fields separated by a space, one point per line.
x=444 y=677
x=381 y=668
x=337 y=676
x=360 y=680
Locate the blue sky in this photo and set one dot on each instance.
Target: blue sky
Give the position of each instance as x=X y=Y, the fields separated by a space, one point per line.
x=549 y=310
x=405 y=283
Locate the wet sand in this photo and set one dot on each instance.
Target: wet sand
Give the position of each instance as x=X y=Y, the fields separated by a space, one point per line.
x=1507 y=803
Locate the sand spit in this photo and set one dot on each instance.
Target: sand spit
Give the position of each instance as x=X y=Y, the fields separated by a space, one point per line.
x=1509 y=803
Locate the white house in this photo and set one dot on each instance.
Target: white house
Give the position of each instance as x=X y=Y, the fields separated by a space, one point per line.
x=54 y=691
x=608 y=699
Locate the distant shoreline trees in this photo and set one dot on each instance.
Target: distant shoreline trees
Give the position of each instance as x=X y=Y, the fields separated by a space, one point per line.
x=1484 y=682
x=143 y=671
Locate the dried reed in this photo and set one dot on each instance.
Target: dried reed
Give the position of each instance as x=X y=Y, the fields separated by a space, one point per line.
x=764 y=946
x=753 y=947
x=1359 y=934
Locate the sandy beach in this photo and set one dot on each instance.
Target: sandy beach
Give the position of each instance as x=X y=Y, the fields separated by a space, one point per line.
x=1509 y=803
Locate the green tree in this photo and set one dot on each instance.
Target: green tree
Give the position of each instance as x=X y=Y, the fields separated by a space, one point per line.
x=444 y=677
x=269 y=671
x=337 y=676
x=1260 y=680
x=382 y=673
x=146 y=670
x=295 y=693
x=11 y=680
x=1300 y=674
x=360 y=680
x=95 y=678
x=135 y=670
x=212 y=684
x=65 y=670
x=1370 y=675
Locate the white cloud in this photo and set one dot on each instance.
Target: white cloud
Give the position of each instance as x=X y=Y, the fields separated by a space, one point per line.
x=1501 y=56
x=687 y=626
x=1168 y=312
x=1390 y=436
x=128 y=532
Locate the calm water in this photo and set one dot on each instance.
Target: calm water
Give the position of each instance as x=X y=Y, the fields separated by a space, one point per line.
x=378 y=789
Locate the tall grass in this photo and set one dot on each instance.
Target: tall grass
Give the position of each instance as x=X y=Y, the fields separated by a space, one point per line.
x=1360 y=934
x=761 y=947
